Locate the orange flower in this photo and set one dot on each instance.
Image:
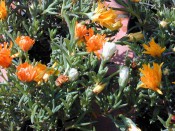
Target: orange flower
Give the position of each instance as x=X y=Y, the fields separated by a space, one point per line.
x=153 y=49
x=106 y=17
x=5 y=58
x=26 y=72
x=40 y=71
x=3 y=10
x=24 y=42
x=95 y=43
x=80 y=31
x=61 y=80
x=151 y=78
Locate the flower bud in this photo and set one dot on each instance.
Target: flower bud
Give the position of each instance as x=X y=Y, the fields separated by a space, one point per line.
x=133 y=128
x=73 y=74
x=123 y=76
x=99 y=88
x=173 y=49
x=130 y=125
x=16 y=55
x=135 y=36
x=116 y=26
x=163 y=24
x=108 y=50
x=46 y=77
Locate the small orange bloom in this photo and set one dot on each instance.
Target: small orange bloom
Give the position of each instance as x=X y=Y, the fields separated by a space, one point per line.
x=3 y=10
x=61 y=80
x=5 y=58
x=106 y=17
x=80 y=31
x=24 y=42
x=95 y=43
x=151 y=78
x=153 y=49
x=26 y=72
x=40 y=71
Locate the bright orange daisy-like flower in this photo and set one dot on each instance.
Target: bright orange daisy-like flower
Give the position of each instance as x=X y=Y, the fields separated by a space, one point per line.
x=80 y=31
x=24 y=42
x=5 y=58
x=151 y=77
x=95 y=43
x=153 y=49
x=3 y=10
x=106 y=17
x=26 y=72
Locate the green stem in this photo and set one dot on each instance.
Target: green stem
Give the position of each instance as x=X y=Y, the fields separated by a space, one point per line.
x=103 y=62
x=115 y=73
x=26 y=56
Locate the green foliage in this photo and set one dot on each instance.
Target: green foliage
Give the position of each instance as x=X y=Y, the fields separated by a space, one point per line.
x=58 y=103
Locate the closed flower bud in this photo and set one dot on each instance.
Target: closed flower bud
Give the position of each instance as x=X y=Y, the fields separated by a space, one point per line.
x=173 y=49
x=135 y=36
x=123 y=76
x=133 y=128
x=99 y=88
x=108 y=50
x=163 y=24
x=73 y=74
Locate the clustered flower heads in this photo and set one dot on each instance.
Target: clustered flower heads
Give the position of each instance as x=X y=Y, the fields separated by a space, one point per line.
x=60 y=60
x=27 y=72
